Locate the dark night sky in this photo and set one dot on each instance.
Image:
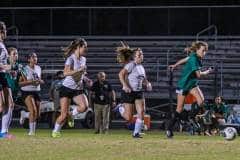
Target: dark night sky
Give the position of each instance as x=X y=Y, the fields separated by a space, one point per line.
x=170 y=21
x=56 y=3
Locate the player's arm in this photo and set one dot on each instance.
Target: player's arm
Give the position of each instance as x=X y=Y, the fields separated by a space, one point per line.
x=6 y=67
x=181 y=61
x=24 y=82
x=69 y=72
x=204 y=73
x=122 y=77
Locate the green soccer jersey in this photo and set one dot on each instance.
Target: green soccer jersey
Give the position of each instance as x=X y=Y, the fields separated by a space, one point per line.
x=188 y=78
x=221 y=109
x=12 y=80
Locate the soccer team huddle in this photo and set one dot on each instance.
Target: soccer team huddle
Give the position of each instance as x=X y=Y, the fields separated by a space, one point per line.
x=27 y=79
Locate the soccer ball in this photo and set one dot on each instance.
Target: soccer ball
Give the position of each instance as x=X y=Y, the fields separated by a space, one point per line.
x=229 y=133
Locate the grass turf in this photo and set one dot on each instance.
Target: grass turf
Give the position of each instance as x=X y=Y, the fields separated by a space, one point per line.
x=80 y=144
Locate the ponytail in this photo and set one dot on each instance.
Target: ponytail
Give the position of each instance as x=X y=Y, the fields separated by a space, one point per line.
x=72 y=46
x=196 y=45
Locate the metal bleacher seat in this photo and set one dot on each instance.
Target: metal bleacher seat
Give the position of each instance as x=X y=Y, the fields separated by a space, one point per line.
x=158 y=53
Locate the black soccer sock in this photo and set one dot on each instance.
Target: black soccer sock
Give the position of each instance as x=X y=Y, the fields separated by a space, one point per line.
x=174 y=117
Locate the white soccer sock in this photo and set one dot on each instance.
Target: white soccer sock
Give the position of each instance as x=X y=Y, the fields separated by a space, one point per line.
x=34 y=126
x=121 y=110
x=10 y=111
x=143 y=126
x=4 y=123
x=31 y=127
x=6 y=120
x=57 y=127
x=138 y=126
x=75 y=111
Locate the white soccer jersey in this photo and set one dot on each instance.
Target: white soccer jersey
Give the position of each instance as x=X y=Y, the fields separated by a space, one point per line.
x=136 y=75
x=3 y=55
x=32 y=74
x=75 y=64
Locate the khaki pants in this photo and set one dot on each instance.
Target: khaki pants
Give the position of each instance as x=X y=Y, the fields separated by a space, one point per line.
x=101 y=118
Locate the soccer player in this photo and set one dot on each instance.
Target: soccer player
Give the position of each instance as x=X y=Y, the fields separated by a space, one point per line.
x=6 y=100
x=124 y=56
x=72 y=85
x=188 y=82
x=30 y=83
x=15 y=72
x=133 y=79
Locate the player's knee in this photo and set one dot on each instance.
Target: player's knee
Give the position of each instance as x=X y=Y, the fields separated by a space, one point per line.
x=128 y=117
x=200 y=102
x=82 y=108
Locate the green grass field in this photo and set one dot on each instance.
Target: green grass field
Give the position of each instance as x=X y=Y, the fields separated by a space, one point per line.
x=80 y=144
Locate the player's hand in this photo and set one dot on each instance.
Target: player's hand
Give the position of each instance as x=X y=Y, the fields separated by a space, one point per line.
x=172 y=67
x=211 y=69
x=41 y=81
x=114 y=103
x=82 y=69
x=149 y=86
x=126 y=89
x=35 y=82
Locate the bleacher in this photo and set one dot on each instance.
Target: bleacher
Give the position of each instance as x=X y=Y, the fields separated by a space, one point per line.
x=159 y=52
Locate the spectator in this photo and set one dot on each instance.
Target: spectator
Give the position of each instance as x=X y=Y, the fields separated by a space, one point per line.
x=54 y=89
x=103 y=96
x=220 y=112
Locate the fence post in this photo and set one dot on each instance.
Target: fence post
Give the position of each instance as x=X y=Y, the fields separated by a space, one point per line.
x=215 y=80
x=170 y=89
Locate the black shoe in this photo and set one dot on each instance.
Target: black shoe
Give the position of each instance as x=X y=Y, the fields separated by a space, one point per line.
x=169 y=134
x=137 y=135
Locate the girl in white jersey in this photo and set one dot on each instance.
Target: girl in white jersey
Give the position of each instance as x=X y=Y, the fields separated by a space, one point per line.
x=30 y=88
x=74 y=70
x=6 y=100
x=133 y=79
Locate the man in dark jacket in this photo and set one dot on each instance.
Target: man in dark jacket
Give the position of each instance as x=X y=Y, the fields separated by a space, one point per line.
x=103 y=97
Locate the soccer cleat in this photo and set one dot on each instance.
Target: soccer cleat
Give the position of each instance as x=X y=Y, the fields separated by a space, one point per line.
x=22 y=118
x=9 y=136
x=142 y=133
x=137 y=135
x=2 y=135
x=31 y=134
x=56 y=134
x=169 y=134
x=6 y=136
x=70 y=121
